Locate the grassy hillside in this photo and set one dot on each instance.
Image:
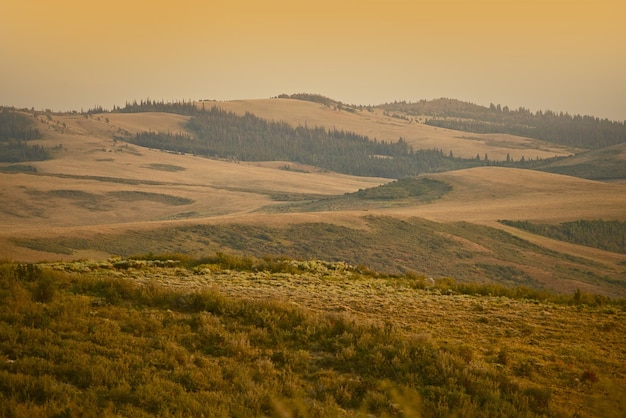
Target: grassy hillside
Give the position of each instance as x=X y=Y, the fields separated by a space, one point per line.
x=605 y=164
x=221 y=134
x=81 y=185
x=467 y=252
x=400 y=193
x=233 y=336
x=379 y=124
x=125 y=199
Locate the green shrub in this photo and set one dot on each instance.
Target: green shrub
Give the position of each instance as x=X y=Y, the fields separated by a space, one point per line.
x=538 y=399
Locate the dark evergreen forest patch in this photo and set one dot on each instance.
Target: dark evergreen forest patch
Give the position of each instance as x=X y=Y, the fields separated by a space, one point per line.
x=19 y=151
x=407 y=191
x=217 y=133
x=603 y=164
x=606 y=235
x=17 y=126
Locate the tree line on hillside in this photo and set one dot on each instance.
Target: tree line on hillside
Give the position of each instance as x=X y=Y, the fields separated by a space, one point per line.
x=325 y=101
x=188 y=108
x=223 y=134
x=606 y=235
x=16 y=126
x=561 y=128
x=18 y=151
x=308 y=97
x=217 y=133
x=15 y=129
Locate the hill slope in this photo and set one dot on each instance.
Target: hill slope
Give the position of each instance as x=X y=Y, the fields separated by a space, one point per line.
x=255 y=337
x=586 y=132
x=100 y=196
x=605 y=164
x=374 y=123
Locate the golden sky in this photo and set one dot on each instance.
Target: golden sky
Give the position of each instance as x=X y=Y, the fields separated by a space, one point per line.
x=552 y=54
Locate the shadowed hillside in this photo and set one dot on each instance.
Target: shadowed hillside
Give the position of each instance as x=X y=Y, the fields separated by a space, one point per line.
x=464 y=251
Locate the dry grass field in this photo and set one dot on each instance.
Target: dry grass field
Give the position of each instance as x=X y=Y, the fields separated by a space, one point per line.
x=487 y=194
x=85 y=182
x=97 y=186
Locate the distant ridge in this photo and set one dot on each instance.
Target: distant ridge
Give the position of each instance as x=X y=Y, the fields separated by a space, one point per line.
x=310 y=97
x=582 y=132
x=586 y=132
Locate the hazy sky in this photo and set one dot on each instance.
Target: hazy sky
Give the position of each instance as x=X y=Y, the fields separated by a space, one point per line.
x=549 y=54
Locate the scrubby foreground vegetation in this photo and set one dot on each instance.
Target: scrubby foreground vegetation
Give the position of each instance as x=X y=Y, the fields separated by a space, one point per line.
x=241 y=336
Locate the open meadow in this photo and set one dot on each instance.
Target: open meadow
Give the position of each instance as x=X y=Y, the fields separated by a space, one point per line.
x=100 y=196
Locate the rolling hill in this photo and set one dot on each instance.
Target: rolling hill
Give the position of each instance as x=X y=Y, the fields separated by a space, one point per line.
x=376 y=123
x=100 y=196
x=605 y=164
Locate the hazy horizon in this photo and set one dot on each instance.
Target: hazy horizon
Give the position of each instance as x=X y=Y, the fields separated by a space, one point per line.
x=550 y=55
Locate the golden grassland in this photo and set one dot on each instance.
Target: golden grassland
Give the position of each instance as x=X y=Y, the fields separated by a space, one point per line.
x=90 y=160
x=98 y=189
x=486 y=194
x=238 y=336
x=98 y=165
